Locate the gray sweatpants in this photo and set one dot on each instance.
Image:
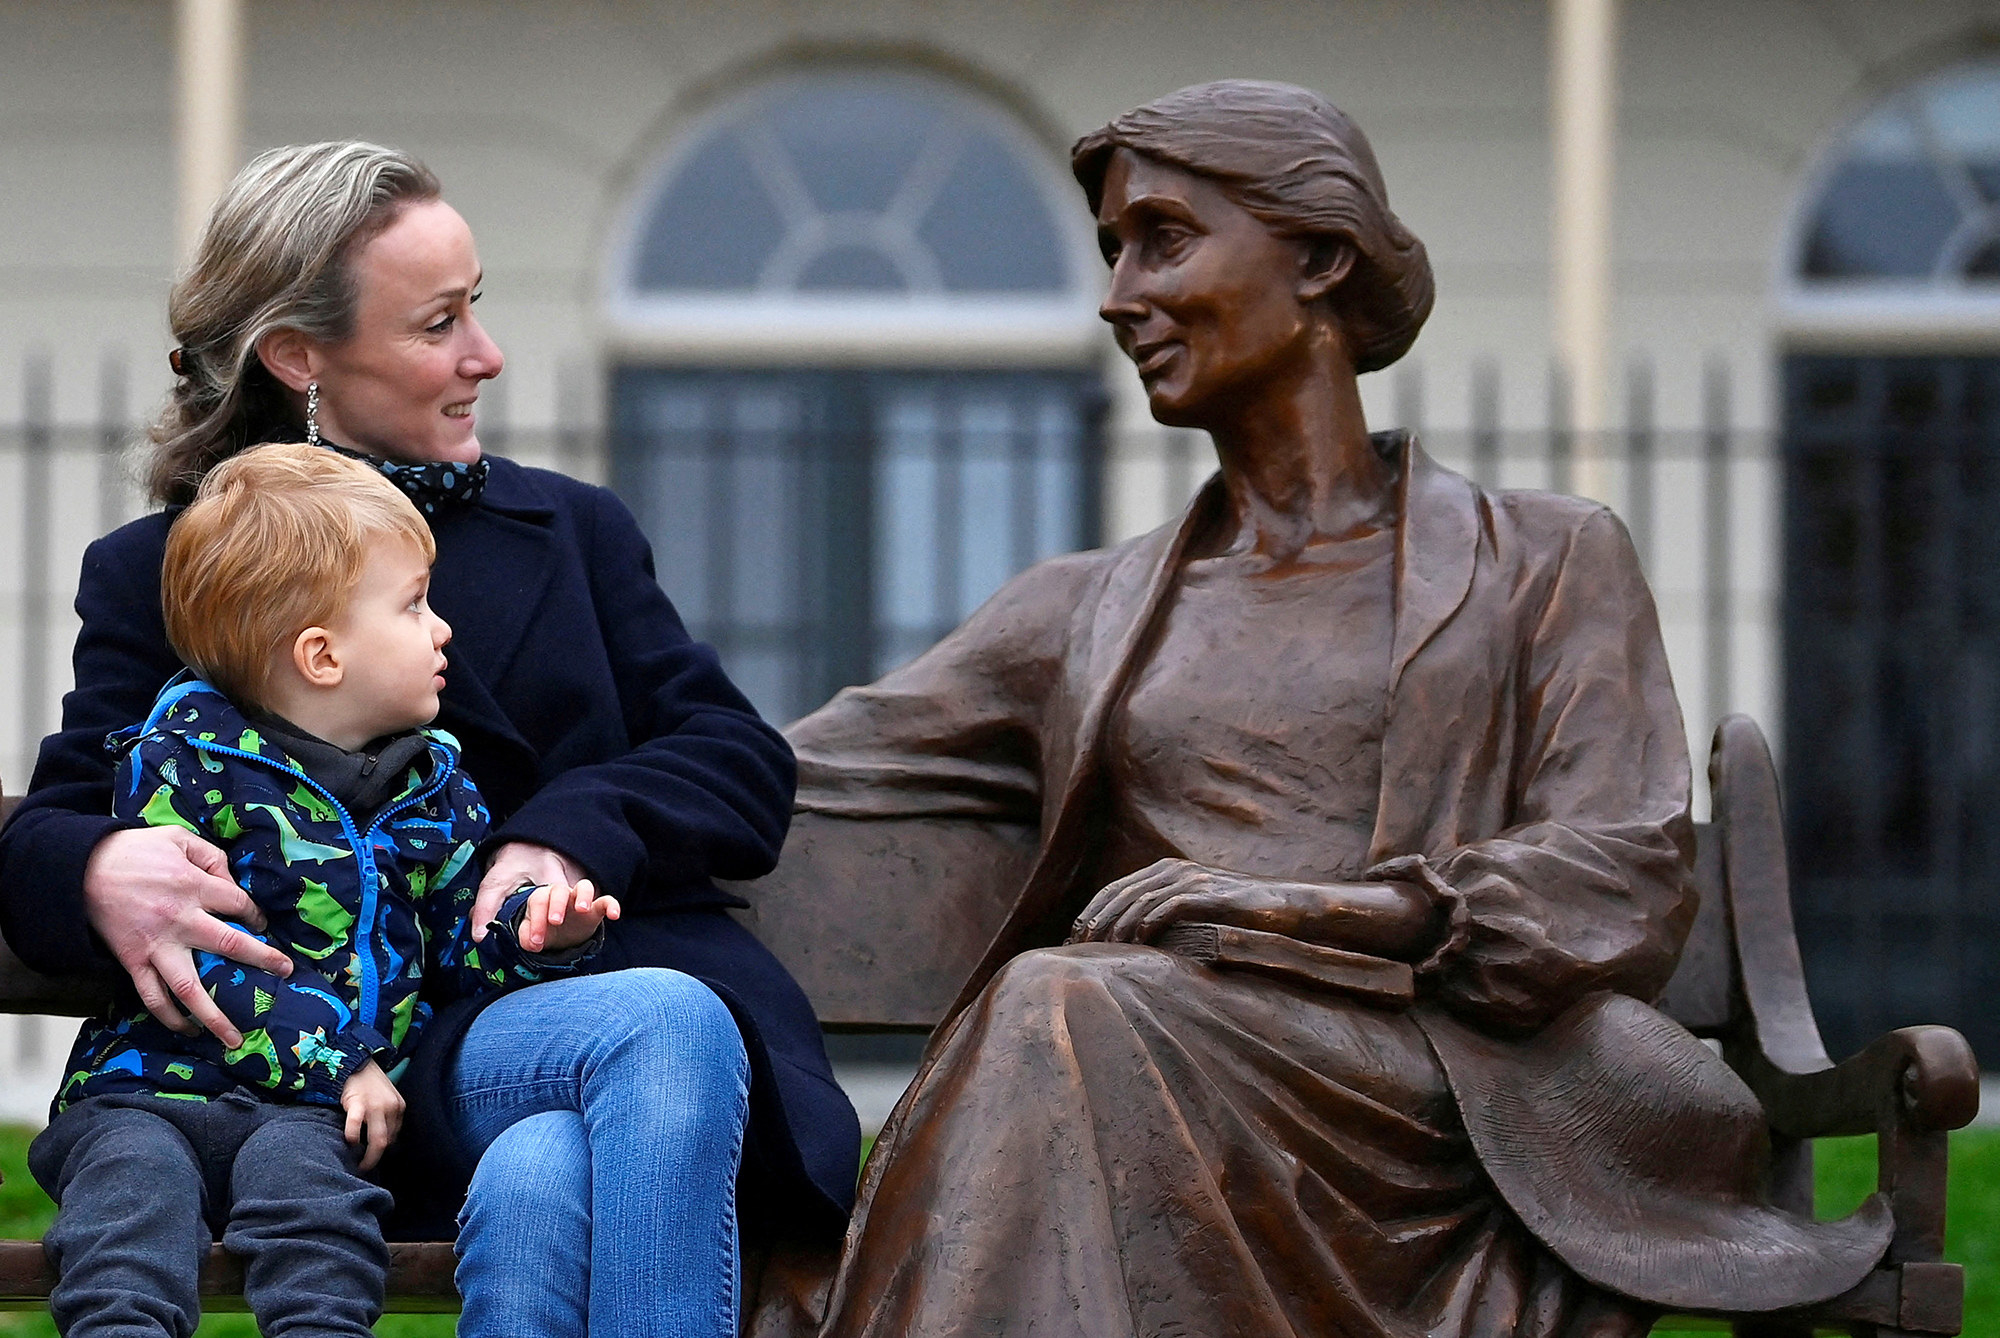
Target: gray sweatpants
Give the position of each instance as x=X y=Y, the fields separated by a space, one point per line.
x=142 y=1184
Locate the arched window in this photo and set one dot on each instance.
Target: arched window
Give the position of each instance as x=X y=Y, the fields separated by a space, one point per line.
x=857 y=386
x=1890 y=319
x=866 y=202
x=1910 y=195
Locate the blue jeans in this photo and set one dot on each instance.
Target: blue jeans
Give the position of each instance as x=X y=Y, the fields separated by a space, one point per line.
x=608 y=1112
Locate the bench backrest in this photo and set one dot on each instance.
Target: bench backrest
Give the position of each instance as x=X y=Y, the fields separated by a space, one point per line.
x=883 y=956
x=1702 y=996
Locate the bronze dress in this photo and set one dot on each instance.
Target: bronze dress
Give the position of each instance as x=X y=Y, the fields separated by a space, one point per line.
x=1289 y=1169
x=1111 y=1140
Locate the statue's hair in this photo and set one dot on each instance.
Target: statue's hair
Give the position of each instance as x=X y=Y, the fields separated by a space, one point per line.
x=1297 y=162
x=276 y=254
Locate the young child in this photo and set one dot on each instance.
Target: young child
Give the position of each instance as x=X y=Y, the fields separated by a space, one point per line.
x=295 y=587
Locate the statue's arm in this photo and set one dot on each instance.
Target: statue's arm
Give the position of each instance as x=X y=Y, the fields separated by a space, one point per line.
x=1401 y=920
x=1590 y=887
x=918 y=811
x=957 y=731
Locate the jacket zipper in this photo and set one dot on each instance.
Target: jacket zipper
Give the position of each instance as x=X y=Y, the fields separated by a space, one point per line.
x=364 y=850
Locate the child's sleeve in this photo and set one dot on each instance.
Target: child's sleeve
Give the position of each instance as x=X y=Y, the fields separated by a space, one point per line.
x=299 y=1039
x=160 y=782
x=454 y=965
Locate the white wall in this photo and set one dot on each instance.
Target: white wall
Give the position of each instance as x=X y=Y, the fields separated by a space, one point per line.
x=539 y=115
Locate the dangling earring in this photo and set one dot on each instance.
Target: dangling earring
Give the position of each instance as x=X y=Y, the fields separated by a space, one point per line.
x=312 y=413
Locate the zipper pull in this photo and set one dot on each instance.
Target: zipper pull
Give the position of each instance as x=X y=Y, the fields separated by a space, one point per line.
x=368 y=766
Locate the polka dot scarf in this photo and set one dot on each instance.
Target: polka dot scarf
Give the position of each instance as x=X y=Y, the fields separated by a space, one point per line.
x=435 y=485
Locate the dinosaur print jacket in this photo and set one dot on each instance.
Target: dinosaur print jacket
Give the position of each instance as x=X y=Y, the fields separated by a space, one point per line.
x=373 y=910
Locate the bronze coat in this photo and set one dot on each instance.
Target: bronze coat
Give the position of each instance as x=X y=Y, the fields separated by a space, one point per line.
x=1535 y=776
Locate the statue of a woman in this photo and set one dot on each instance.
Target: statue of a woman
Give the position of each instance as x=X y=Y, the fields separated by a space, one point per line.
x=1349 y=700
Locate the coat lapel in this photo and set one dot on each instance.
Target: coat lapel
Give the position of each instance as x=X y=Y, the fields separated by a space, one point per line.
x=493 y=567
x=1436 y=549
x=1437 y=543
x=1135 y=594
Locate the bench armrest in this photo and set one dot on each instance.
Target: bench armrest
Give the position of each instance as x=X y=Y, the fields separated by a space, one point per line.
x=1922 y=1079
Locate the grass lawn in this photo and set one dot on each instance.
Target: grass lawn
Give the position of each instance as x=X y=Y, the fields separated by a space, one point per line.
x=1846 y=1175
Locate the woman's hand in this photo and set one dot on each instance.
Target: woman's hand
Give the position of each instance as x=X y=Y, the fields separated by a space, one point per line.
x=154 y=895
x=1385 y=919
x=516 y=865
x=373 y=1107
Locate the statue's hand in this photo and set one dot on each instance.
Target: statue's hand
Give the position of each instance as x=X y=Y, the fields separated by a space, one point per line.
x=1175 y=891
x=1387 y=919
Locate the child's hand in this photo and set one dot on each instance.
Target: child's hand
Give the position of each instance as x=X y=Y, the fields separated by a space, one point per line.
x=561 y=917
x=373 y=1104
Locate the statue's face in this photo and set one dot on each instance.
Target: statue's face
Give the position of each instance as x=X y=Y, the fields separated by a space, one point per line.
x=1208 y=302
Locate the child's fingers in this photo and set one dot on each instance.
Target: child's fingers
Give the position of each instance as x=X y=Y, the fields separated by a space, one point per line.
x=356 y=1119
x=592 y=906
x=535 y=919
x=609 y=905
x=382 y=1130
x=376 y=1142
x=559 y=899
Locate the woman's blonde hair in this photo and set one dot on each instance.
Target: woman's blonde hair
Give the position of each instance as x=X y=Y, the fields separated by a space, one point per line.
x=276 y=255
x=274 y=543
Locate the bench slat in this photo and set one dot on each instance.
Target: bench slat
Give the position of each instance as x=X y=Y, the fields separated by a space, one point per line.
x=420 y=1278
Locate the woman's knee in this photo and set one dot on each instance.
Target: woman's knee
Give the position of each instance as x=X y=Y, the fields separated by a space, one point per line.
x=670 y=1022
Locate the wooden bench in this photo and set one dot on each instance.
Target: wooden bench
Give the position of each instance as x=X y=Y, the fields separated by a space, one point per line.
x=1740 y=983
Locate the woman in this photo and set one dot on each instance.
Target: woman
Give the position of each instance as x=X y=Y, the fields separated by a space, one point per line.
x=331 y=298
x=1347 y=701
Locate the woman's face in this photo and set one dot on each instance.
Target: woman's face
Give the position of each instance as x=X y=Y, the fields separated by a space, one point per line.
x=402 y=386
x=1206 y=300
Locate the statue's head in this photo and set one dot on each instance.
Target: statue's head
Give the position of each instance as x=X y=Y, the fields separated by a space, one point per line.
x=1275 y=198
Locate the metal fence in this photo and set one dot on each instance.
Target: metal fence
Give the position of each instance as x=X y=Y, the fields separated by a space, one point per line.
x=950 y=462
x=1700 y=504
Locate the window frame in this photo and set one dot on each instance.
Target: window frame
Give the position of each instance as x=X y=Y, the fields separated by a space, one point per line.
x=1880 y=315
x=997 y=330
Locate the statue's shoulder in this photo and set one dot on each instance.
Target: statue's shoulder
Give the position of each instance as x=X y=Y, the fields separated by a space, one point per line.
x=1069 y=574
x=1541 y=519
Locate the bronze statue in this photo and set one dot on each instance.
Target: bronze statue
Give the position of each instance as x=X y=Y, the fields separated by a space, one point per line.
x=1358 y=807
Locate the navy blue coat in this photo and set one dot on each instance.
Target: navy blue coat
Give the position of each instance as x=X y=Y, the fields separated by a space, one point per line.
x=594 y=725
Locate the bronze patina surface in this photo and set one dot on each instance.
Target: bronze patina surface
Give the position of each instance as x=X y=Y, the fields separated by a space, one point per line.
x=1328 y=846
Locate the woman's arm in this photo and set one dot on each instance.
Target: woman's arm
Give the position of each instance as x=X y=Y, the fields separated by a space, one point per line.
x=705 y=792
x=81 y=890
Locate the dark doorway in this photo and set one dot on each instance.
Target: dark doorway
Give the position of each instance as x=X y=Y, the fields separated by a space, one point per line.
x=821 y=527
x=1892 y=689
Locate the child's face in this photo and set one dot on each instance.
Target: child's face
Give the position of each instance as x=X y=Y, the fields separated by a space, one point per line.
x=390 y=644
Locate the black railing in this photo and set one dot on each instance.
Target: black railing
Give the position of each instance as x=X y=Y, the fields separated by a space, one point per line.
x=1040 y=471
x=990 y=473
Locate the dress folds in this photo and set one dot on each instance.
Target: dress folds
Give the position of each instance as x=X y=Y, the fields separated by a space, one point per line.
x=1106 y=1139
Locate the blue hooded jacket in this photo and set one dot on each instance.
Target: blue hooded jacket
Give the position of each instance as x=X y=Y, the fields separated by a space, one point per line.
x=373 y=910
